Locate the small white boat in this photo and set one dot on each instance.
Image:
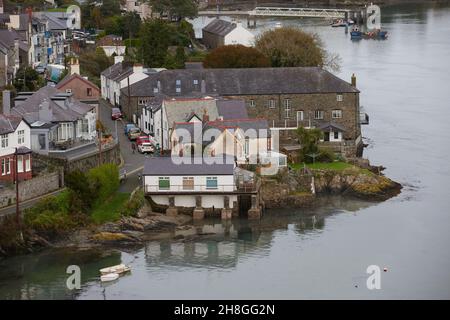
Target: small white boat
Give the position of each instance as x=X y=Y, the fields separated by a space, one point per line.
x=109 y=277
x=120 y=268
x=278 y=25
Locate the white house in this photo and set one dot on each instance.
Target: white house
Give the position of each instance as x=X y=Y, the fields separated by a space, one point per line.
x=142 y=8
x=14 y=135
x=220 y=32
x=198 y=184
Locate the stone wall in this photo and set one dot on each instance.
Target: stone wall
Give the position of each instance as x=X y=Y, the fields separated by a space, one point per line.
x=32 y=188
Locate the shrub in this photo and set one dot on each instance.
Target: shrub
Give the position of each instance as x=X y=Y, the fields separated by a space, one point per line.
x=134 y=203
x=104 y=179
x=326 y=155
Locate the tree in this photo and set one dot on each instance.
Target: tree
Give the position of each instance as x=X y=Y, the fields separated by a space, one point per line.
x=155 y=39
x=309 y=139
x=175 y=8
x=126 y=25
x=27 y=79
x=92 y=63
x=292 y=47
x=235 y=56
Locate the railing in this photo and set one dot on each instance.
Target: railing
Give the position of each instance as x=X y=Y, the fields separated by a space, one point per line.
x=244 y=187
x=299 y=12
x=288 y=123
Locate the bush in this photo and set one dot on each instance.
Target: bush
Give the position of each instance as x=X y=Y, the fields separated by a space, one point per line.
x=105 y=180
x=326 y=155
x=134 y=204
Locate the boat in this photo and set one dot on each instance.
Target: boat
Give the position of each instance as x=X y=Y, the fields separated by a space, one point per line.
x=278 y=25
x=120 y=268
x=342 y=23
x=109 y=277
x=376 y=34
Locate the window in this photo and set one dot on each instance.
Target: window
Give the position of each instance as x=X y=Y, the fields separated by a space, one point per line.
x=287 y=109
x=19 y=163
x=65 y=131
x=21 y=136
x=68 y=90
x=300 y=115
x=318 y=114
x=4 y=138
x=178 y=89
x=28 y=163
x=287 y=103
x=247 y=146
x=89 y=92
x=211 y=182
x=3 y=167
x=252 y=103
x=178 y=82
x=155 y=90
x=164 y=183
x=195 y=81
x=7 y=166
x=339 y=97
x=188 y=183
x=272 y=104
x=336 y=114
x=336 y=135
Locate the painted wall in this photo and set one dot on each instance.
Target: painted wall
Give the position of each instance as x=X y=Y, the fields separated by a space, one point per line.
x=188 y=201
x=13 y=140
x=240 y=35
x=225 y=183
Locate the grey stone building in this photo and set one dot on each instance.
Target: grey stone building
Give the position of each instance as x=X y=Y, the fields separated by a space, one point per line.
x=286 y=97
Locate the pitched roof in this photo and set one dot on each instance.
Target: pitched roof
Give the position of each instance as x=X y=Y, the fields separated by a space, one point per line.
x=179 y=110
x=116 y=71
x=68 y=78
x=219 y=27
x=159 y=166
x=29 y=109
x=231 y=108
x=329 y=126
x=9 y=123
x=241 y=81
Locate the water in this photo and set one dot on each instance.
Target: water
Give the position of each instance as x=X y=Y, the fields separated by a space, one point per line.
x=322 y=252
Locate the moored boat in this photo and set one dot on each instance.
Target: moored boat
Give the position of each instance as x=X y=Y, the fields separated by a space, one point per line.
x=109 y=277
x=118 y=269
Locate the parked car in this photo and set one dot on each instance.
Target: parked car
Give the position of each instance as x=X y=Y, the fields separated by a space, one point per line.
x=134 y=133
x=116 y=113
x=145 y=147
x=40 y=69
x=142 y=139
x=127 y=127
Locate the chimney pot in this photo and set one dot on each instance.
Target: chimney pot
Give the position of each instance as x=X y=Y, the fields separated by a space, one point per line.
x=353 y=80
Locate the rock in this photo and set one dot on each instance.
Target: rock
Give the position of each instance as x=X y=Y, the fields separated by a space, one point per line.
x=137 y=235
x=108 y=237
x=109 y=227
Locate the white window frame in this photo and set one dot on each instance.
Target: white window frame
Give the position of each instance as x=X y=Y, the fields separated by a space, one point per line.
x=287 y=103
x=19 y=164
x=318 y=114
x=165 y=179
x=68 y=90
x=252 y=103
x=5 y=140
x=336 y=114
x=21 y=136
x=272 y=104
x=188 y=179
x=339 y=97
x=28 y=163
x=212 y=179
x=287 y=110
x=302 y=115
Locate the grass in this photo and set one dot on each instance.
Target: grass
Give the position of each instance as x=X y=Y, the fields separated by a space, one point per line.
x=110 y=210
x=336 y=166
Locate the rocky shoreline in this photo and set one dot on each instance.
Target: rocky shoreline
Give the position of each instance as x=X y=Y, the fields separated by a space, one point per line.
x=289 y=189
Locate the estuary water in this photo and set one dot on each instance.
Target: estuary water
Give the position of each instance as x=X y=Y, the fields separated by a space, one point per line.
x=322 y=252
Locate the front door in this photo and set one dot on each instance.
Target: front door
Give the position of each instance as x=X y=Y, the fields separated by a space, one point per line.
x=326 y=136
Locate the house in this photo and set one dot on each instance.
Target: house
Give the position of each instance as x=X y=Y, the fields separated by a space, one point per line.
x=58 y=121
x=245 y=140
x=199 y=186
x=13 y=54
x=220 y=32
x=15 y=141
x=287 y=97
x=120 y=76
x=169 y=111
x=143 y=9
x=80 y=87
x=112 y=45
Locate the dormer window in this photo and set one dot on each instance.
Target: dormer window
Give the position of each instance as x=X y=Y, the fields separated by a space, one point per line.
x=68 y=90
x=195 y=82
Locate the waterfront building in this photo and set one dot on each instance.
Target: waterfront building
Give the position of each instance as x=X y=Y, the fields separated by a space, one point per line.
x=220 y=32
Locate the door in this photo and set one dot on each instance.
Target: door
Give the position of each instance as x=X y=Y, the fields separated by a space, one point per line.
x=299 y=117
x=326 y=136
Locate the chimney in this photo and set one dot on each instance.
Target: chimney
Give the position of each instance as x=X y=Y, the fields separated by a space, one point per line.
x=138 y=68
x=353 y=80
x=159 y=86
x=16 y=50
x=205 y=115
x=45 y=113
x=6 y=102
x=74 y=66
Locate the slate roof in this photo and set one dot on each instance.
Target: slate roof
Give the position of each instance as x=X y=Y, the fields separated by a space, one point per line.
x=7 y=38
x=179 y=110
x=56 y=20
x=116 y=71
x=219 y=27
x=232 y=108
x=9 y=123
x=242 y=81
x=160 y=166
x=328 y=126
x=29 y=109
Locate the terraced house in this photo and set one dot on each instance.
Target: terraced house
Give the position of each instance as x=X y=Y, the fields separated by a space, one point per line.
x=286 y=97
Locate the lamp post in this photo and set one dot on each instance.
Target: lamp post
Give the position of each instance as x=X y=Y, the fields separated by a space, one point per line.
x=16 y=178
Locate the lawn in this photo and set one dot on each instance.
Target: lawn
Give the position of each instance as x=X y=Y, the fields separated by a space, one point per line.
x=110 y=210
x=337 y=166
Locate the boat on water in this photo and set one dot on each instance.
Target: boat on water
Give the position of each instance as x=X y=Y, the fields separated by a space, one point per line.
x=356 y=34
x=342 y=23
x=118 y=269
x=109 y=277
x=278 y=25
